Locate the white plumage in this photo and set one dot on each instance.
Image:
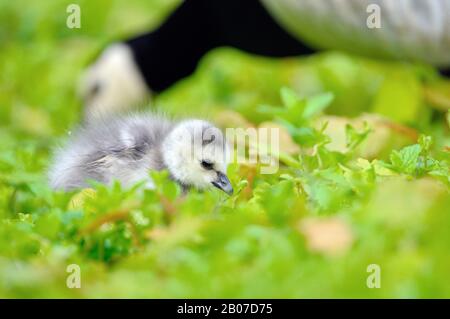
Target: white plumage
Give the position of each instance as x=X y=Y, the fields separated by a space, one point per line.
x=126 y=148
x=113 y=83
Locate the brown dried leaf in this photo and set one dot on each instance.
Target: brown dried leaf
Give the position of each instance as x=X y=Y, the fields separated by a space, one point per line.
x=330 y=236
x=287 y=144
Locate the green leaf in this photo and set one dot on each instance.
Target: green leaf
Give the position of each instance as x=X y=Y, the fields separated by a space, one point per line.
x=316 y=104
x=425 y=142
x=406 y=160
x=353 y=137
x=289 y=97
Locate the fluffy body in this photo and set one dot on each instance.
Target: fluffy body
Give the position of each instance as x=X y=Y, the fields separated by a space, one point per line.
x=127 y=148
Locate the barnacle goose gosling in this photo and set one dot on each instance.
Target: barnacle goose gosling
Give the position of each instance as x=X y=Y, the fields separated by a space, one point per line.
x=126 y=148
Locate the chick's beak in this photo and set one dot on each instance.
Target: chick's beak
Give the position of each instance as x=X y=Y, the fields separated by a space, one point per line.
x=222 y=182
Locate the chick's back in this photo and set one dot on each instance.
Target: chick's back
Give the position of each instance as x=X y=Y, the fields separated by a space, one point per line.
x=123 y=148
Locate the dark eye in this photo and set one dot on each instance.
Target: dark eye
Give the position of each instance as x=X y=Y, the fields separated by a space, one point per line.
x=94 y=90
x=207 y=165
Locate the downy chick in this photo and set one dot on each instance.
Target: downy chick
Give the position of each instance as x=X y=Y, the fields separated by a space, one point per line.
x=126 y=148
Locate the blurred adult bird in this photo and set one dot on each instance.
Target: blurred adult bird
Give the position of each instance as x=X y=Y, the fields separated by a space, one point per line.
x=127 y=148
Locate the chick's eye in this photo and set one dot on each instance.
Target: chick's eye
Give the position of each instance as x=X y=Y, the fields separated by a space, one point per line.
x=207 y=165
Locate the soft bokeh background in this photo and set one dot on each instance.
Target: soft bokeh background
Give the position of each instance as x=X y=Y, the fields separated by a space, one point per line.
x=344 y=198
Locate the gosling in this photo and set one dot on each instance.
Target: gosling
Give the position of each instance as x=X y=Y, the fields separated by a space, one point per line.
x=127 y=148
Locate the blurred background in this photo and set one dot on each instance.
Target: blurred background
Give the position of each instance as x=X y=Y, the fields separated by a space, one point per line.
x=235 y=249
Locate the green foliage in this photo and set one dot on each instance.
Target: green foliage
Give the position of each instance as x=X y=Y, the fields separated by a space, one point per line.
x=273 y=237
x=296 y=113
x=415 y=160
